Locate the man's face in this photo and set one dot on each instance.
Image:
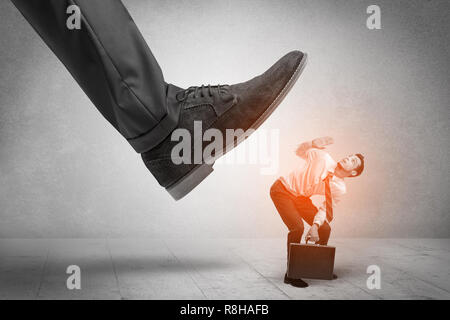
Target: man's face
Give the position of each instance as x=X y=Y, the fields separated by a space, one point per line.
x=350 y=163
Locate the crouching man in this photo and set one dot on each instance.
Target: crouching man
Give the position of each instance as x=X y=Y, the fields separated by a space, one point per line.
x=321 y=175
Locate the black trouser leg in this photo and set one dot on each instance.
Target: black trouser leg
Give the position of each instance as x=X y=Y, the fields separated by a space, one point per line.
x=307 y=211
x=292 y=210
x=285 y=205
x=112 y=63
x=294 y=236
x=324 y=233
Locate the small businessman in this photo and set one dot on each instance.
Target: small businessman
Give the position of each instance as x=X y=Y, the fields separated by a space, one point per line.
x=320 y=175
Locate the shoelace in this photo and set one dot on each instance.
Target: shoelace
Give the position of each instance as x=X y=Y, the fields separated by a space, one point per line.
x=197 y=92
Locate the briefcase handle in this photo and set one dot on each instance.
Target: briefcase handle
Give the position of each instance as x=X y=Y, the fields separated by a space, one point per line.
x=307 y=239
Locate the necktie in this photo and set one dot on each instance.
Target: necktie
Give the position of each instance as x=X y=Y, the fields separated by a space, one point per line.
x=328 y=199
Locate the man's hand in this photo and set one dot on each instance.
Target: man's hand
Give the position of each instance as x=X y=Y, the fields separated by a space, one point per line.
x=321 y=143
x=313 y=234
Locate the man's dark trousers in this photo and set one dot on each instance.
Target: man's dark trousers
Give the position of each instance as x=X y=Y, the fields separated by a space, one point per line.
x=112 y=63
x=292 y=210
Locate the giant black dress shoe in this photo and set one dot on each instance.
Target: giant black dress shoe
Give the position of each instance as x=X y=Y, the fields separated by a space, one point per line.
x=238 y=107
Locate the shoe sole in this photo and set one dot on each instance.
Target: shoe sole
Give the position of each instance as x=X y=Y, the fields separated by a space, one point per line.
x=193 y=178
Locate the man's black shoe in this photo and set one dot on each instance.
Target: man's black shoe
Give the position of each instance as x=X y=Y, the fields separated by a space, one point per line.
x=222 y=107
x=299 y=283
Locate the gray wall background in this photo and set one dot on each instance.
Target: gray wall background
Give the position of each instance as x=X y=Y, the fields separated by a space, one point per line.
x=65 y=172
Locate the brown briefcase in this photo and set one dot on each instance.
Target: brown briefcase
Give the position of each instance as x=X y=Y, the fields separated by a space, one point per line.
x=311 y=261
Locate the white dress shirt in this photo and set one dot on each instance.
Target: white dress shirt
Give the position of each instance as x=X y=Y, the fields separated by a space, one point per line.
x=308 y=179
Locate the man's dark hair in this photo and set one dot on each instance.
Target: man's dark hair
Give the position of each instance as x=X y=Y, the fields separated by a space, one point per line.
x=360 y=169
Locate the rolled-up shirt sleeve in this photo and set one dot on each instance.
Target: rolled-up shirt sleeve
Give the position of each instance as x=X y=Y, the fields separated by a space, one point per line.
x=336 y=194
x=320 y=217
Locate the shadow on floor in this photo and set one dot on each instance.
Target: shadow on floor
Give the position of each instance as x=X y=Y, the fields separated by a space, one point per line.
x=92 y=266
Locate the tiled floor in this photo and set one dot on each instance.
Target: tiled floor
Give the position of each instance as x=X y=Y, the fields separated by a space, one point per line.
x=217 y=269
